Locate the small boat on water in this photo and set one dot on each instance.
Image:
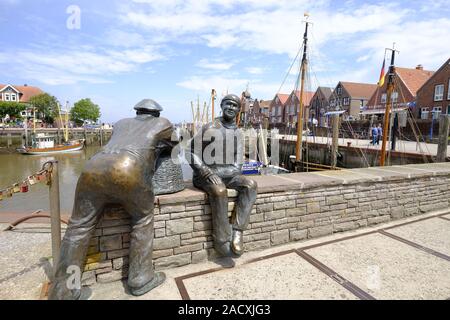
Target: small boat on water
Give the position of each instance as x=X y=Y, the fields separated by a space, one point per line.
x=45 y=144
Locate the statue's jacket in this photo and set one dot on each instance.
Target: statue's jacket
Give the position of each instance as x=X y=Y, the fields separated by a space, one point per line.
x=128 y=160
x=216 y=149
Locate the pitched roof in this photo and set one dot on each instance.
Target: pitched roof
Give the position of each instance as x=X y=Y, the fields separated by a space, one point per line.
x=327 y=92
x=413 y=78
x=26 y=91
x=264 y=103
x=307 y=96
x=283 y=97
x=359 y=90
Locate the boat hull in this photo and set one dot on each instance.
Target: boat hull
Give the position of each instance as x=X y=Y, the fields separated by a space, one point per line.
x=57 y=149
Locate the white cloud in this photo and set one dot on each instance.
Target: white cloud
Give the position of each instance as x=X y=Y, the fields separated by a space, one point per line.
x=214 y=65
x=255 y=70
x=220 y=83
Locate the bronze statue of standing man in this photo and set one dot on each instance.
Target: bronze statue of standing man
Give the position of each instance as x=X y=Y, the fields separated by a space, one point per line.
x=120 y=173
x=217 y=168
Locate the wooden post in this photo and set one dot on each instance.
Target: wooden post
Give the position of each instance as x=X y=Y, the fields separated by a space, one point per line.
x=101 y=136
x=335 y=140
x=55 y=213
x=444 y=122
x=9 y=140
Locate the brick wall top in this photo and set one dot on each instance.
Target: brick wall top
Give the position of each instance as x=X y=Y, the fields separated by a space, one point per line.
x=296 y=181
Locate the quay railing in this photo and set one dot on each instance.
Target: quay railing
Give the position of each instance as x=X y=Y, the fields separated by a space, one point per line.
x=50 y=176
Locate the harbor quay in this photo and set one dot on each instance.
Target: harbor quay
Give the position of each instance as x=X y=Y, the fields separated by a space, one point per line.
x=347 y=234
x=289 y=208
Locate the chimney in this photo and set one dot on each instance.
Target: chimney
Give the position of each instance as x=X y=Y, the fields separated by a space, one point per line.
x=419 y=67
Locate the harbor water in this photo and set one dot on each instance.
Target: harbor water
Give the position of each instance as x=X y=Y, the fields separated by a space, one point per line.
x=14 y=168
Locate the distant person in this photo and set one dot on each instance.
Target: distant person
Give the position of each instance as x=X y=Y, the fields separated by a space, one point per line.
x=380 y=133
x=374 y=135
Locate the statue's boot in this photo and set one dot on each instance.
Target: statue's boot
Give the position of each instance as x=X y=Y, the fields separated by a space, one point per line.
x=223 y=248
x=237 y=243
x=60 y=292
x=157 y=280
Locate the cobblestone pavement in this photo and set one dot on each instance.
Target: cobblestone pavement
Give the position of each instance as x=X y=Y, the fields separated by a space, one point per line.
x=405 y=259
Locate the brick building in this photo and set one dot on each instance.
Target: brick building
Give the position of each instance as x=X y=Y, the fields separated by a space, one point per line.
x=259 y=111
x=351 y=97
x=319 y=103
x=406 y=83
x=292 y=106
x=433 y=97
x=277 y=108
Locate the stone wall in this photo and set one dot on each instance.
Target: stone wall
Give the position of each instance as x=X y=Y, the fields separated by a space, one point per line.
x=291 y=207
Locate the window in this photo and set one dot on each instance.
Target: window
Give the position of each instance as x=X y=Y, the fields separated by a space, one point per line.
x=448 y=90
x=436 y=112
x=6 y=96
x=332 y=102
x=394 y=97
x=424 y=113
x=339 y=90
x=383 y=98
x=346 y=101
x=439 y=92
x=448 y=109
x=13 y=97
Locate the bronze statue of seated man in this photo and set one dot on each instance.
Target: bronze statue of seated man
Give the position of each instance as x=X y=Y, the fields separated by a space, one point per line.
x=218 y=170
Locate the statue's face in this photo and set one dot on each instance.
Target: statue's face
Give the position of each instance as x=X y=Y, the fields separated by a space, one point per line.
x=230 y=109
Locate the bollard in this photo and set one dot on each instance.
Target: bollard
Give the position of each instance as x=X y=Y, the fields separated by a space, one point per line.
x=55 y=213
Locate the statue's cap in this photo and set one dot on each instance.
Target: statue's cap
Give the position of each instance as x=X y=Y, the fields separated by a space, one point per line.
x=148 y=104
x=232 y=97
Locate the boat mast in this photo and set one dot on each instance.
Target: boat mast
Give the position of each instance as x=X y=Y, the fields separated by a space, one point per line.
x=390 y=89
x=213 y=97
x=303 y=67
x=66 y=126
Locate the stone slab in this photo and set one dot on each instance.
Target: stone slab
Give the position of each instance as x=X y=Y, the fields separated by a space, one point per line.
x=347 y=176
x=431 y=233
x=387 y=268
x=290 y=277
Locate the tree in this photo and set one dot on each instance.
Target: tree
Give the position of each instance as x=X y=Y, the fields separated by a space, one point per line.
x=84 y=110
x=46 y=105
x=11 y=108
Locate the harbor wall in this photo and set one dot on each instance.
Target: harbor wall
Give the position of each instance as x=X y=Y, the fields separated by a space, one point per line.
x=349 y=156
x=12 y=138
x=289 y=208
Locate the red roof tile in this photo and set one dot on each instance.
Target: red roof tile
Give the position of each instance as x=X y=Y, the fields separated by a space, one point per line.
x=413 y=78
x=307 y=96
x=283 y=97
x=359 y=90
x=27 y=91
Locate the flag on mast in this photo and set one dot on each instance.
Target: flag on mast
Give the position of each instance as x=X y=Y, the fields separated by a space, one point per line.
x=381 y=81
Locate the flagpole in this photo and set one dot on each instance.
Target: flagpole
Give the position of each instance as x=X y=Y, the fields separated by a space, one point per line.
x=390 y=88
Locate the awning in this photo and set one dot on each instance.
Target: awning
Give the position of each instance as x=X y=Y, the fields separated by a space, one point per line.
x=334 y=112
x=382 y=111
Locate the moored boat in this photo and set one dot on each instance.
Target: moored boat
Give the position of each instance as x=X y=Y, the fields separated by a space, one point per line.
x=45 y=144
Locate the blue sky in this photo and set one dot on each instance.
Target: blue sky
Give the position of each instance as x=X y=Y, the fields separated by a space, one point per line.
x=119 y=52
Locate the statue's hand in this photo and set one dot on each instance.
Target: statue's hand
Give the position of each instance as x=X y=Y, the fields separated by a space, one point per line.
x=214 y=179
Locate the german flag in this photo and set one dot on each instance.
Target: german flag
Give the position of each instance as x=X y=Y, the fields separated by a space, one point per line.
x=381 y=81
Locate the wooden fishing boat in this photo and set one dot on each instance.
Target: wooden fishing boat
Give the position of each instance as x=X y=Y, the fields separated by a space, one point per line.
x=45 y=144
